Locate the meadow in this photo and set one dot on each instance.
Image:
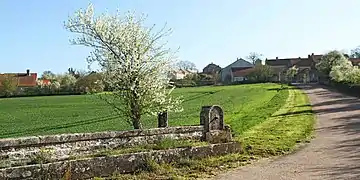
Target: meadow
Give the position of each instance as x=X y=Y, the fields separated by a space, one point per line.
x=245 y=106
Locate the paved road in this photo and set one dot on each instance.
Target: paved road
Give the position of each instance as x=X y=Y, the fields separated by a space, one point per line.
x=333 y=154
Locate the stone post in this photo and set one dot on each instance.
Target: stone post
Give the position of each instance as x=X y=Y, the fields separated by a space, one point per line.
x=215 y=131
x=163 y=119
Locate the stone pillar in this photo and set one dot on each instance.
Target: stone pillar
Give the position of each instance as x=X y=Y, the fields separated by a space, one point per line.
x=212 y=118
x=163 y=119
x=204 y=114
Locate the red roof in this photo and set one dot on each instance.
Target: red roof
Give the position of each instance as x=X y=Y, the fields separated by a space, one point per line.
x=242 y=72
x=21 y=79
x=46 y=81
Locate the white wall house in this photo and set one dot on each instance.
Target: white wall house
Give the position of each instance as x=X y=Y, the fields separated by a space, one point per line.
x=180 y=74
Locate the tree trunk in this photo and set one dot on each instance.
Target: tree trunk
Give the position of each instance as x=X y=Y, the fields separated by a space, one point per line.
x=135 y=111
x=135 y=115
x=137 y=124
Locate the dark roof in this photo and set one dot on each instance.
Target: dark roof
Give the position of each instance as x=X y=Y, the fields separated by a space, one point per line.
x=304 y=62
x=292 y=61
x=241 y=63
x=272 y=62
x=317 y=57
x=234 y=69
x=242 y=71
x=281 y=62
x=211 y=67
x=355 y=61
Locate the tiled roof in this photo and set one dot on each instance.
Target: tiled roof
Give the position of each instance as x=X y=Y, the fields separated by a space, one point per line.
x=21 y=79
x=291 y=61
x=355 y=61
x=211 y=67
x=277 y=62
x=304 y=62
x=242 y=71
x=240 y=63
x=282 y=62
x=317 y=58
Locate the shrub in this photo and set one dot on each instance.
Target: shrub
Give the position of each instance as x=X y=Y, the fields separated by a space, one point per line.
x=184 y=83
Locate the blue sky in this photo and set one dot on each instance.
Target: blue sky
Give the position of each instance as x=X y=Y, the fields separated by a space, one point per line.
x=32 y=33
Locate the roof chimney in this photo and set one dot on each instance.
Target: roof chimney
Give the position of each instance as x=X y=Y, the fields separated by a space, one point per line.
x=28 y=72
x=277 y=57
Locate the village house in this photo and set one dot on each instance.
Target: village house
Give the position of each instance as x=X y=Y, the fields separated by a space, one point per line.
x=21 y=80
x=236 y=71
x=306 y=67
x=211 y=69
x=180 y=74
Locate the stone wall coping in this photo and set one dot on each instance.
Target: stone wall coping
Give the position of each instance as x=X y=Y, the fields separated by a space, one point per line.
x=66 y=138
x=107 y=165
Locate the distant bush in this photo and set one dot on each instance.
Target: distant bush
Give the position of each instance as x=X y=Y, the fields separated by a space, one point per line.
x=63 y=84
x=184 y=83
x=40 y=91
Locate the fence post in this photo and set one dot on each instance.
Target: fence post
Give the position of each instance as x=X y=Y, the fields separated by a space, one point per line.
x=163 y=119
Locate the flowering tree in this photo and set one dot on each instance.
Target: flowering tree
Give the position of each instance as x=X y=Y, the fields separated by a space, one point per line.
x=65 y=80
x=8 y=85
x=91 y=83
x=48 y=75
x=329 y=60
x=290 y=73
x=342 y=72
x=134 y=62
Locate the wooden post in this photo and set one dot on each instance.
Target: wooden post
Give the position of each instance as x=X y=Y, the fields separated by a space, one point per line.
x=163 y=119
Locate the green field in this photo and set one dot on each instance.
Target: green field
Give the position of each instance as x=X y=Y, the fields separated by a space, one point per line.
x=245 y=106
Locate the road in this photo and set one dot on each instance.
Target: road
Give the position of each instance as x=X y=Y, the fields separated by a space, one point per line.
x=333 y=154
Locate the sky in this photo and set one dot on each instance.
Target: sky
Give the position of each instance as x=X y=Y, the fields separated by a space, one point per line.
x=219 y=31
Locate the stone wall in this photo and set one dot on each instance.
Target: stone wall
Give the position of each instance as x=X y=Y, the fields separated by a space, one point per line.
x=21 y=151
x=108 y=165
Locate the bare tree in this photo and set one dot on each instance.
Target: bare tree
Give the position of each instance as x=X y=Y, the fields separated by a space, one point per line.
x=253 y=57
x=186 y=65
x=355 y=53
x=48 y=75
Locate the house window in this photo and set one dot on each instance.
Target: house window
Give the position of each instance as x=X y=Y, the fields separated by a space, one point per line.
x=239 y=78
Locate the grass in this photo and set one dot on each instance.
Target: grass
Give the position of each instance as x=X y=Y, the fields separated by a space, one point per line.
x=245 y=106
x=279 y=134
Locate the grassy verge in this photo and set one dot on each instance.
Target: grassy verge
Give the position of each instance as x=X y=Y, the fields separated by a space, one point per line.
x=277 y=135
x=251 y=115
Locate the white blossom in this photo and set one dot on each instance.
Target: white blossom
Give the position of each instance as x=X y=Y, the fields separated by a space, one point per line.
x=132 y=58
x=55 y=85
